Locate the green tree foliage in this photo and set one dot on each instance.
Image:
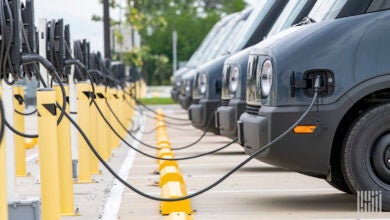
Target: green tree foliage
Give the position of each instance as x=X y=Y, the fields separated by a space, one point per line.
x=157 y=19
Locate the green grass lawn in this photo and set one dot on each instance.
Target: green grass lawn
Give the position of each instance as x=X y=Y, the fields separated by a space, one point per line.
x=157 y=101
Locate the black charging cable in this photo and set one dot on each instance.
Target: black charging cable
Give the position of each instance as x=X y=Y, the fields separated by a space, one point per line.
x=31 y=58
x=26 y=114
x=151 y=156
x=140 y=111
x=18 y=132
x=28 y=58
x=154 y=112
x=224 y=177
x=155 y=147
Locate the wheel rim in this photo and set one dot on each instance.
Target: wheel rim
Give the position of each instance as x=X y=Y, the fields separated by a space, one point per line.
x=380 y=158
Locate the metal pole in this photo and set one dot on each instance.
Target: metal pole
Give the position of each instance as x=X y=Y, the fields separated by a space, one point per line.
x=106 y=24
x=174 y=44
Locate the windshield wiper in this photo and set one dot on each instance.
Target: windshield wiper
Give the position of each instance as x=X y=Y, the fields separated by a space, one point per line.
x=305 y=21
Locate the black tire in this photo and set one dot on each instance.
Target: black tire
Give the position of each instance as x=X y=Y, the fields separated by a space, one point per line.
x=357 y=160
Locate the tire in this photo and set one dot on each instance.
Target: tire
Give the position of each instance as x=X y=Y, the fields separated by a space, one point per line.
x=360 y=158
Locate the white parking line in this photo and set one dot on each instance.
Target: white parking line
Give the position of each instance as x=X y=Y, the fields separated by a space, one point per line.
x=114 y=200
x=32 y=157
x=252 y=191
x=190 y=177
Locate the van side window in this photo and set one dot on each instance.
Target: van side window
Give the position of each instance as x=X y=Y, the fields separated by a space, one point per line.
x=377 y=5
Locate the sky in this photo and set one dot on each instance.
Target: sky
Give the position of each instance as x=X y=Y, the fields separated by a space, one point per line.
x=78 y=14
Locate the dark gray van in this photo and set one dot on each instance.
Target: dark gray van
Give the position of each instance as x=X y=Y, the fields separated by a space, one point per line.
x=233 y=103
x=344 y=139
x=220 y=45
x=202 y=54
x=208 y=81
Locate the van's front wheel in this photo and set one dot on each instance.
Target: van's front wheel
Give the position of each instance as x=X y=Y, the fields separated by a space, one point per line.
x=366 y=153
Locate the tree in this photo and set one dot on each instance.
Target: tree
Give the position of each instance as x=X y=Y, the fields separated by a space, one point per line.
x=157 y=19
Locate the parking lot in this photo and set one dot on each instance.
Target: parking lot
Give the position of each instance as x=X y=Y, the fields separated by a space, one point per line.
x=257 y=191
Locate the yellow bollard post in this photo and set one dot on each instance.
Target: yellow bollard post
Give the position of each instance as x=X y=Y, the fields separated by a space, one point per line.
x=121 y=113
x=129 y=112
x=138 y=88
x=84 y=154
x=30 y=143
x=65 y=159
x=114 y=122
x=3 y=178
x=20 y=150
x=93 y=135
x=48 y=154
x=101 y=125
x=109 y=132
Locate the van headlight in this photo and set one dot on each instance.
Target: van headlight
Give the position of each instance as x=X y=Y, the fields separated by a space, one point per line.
x=265 y=78
x=203 y=83
x=234 y=79
x=188 y=86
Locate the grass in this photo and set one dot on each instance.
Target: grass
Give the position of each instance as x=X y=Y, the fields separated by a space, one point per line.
x=157 y=101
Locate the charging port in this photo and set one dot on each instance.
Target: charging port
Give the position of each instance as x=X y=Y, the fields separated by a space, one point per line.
x=327 y=83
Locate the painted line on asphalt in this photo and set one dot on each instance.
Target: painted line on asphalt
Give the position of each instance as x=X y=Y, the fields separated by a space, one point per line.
x=208 y=165
x=252 y=191
x=204 y=176
x=32 y=157
x=114 y=200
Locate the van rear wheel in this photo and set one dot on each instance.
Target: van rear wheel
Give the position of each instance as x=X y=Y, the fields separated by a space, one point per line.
x=365 y=158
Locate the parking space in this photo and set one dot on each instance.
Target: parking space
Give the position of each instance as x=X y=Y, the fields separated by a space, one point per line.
x=257 y=191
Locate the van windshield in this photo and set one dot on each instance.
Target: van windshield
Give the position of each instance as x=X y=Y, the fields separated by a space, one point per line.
x=288 y=16
x=193 y=61
x=250 y=26
x=326 y=9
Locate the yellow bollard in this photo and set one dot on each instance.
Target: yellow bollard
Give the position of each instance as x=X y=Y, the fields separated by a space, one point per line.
x=115 y=123
x=109 y=132
x=164 y=163
x=65 y=159
x=84 y=154
x=179 y=216
x=30 y=143
x=3 y=178
x=93 y=135
x=20 y=150
x=129 y=114
x=48 y=154
x=121 y=111
x=174 y=189
x=170 y=174
x=102 y=142
x=164 y=145
x=163 y=141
